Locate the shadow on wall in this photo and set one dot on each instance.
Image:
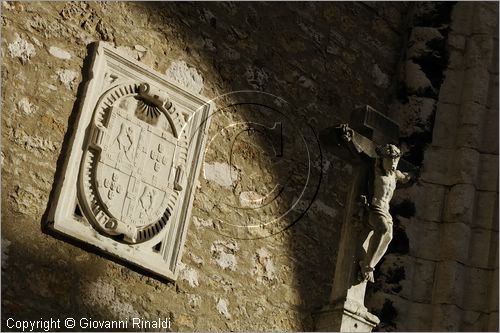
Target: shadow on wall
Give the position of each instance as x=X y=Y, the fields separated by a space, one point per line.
x=252 y=47
x=240 y=52
x=61 y=297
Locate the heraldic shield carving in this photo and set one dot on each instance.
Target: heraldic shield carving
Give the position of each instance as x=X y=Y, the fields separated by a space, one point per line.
x=131 y=172
x=128 y=181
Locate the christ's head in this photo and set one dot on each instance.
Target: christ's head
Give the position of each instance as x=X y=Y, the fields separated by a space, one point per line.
x=390 y=155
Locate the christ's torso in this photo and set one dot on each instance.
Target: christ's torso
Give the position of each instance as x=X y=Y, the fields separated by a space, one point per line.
x=383 y=188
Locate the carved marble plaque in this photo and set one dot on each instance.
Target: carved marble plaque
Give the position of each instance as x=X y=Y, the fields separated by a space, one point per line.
x=130 y=173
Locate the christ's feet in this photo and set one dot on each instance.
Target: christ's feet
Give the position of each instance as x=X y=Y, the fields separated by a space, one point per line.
x=366 y=273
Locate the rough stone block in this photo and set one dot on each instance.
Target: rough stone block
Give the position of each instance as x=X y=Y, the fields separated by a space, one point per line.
x=456 y=41
x=451 y=89
x=413 y=116
x=437 y=168
x=418 y=319
x=478 y=289
x=423 y=280
x=493 y=294
x=493 y=303
x=424 y=237
x=494 y=262
x=493 y=98
x=446 y=317
x=486 y=206
x=479 y=51
x=485 y=18
x=416 y=79
x=459 y=204
x=493 y=322
x=404 y=264
x=449 y=283
x=488 y=173
x=474 y=321
x=489 y=142
x=472 y=113
x=476 y=84
x=419 y=38
x=482 y=246
x=454 y=243
x=456 y=59
x=469 y=136
x=445 y=125
x=429 y=201
x=495 y=219
x=460 y=18
x=490 y=126
x=466 y=163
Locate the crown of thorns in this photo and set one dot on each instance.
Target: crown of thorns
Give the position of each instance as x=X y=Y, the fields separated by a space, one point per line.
x=388 y=151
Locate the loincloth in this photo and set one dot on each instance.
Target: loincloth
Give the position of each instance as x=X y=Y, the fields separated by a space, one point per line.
x=377 y=210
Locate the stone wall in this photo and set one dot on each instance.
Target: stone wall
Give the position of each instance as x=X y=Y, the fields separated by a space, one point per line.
x=322 y=58
x=441 y=273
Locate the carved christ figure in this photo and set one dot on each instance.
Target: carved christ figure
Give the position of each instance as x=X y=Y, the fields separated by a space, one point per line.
x=385 y=177
x=383 y=183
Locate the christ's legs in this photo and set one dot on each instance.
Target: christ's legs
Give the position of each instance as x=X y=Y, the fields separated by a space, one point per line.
x=378 y=244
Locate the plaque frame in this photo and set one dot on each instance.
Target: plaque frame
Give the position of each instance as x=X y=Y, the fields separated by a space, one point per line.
x=162 y=253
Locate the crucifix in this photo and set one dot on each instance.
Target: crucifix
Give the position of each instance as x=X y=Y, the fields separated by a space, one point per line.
x=369 y=146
